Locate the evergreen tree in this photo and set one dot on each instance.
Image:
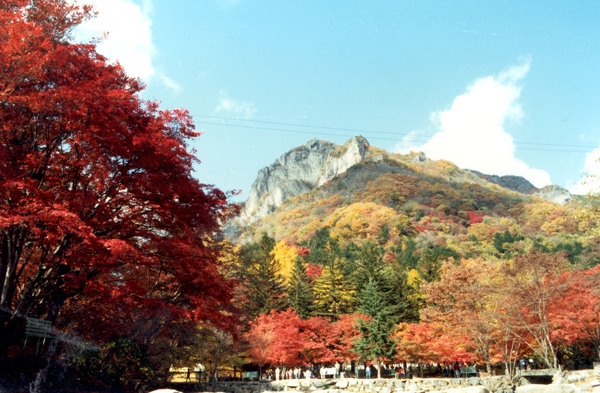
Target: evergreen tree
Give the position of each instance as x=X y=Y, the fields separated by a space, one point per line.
x=300 y=292
x=317 y=246
x=406 y=254
x=401 y=296
x=259 y=273
x=375 y=343
x=369 y=266
x=334 y=293
x=391 y=281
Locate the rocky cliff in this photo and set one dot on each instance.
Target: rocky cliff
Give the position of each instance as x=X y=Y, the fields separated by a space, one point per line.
x=298 y=171
x=313 y=164
x=555 y=194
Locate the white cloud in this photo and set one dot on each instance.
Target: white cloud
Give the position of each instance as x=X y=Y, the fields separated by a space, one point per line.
x=128 y=37
x=471 y=132
x=591 y=181
x=233 y=107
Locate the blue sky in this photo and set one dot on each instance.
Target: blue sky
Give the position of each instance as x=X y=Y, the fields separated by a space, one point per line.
x=503 y=87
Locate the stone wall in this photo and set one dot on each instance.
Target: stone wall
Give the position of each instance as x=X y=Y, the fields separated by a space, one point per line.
x=585 y=381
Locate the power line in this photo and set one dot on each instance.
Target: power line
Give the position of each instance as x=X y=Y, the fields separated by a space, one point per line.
x=386 y=135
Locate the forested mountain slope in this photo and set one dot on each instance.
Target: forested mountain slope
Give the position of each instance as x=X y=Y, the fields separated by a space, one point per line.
x=391 y=199
x=398 y=258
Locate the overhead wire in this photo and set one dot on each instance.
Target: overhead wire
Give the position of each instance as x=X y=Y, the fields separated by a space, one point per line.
x=373 y=134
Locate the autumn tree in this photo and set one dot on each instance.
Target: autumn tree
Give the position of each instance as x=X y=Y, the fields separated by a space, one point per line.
x=334 y=294
x=427 y=343
x=535 y=281
x=346 y=334
x=576 y=314
x=412 y=343
x=589 y=211
x=99 y=207
x=285 y=255
x=283 y=338
x=462 y=303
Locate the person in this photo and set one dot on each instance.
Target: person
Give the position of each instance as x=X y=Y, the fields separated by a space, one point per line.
x=187 y=375
x=368 y=372
x=307 y=373
x=323 y=372
x=198 y=370
x=277 y=373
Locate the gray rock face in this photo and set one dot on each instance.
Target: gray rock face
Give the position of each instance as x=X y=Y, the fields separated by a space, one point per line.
x=555 y=194
x=553 y=388
x=298 y=171
x=515 y=183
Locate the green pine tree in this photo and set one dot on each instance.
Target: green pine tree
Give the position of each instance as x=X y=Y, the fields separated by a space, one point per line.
x=334 y=293
x=400 y=296
x=259 y=273
x=375 y=343
x=300 y=293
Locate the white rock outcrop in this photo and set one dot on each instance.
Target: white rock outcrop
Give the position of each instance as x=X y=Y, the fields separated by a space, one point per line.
x=555 y=194
x=298 y=171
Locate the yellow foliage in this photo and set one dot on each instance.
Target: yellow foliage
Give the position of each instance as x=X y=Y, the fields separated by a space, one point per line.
x=414 y=280
x=481 y=231
x=588 y=214
x=364 y=220
x=285 y=254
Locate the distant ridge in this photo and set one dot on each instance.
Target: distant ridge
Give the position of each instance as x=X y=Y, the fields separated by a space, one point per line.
x=317 y=162
x=515 y=183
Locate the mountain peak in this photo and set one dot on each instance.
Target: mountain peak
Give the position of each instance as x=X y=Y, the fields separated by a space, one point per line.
x=298 y=171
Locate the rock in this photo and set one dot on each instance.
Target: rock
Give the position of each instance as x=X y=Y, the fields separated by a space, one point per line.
x=555 y=194
x=467 y=389
x=558 y=377
x=420 y=158
x=298 y=171
x=552 y=388
x=293 y=383
x=574 y=378
x=342 y=384
x=515 y=183
x=165 y=391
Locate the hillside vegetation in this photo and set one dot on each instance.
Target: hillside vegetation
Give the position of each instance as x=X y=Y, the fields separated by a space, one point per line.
x=391 y=199
x=406 y=259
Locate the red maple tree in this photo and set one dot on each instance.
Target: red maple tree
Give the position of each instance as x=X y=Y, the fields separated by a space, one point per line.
x=576 y=314
x=102 y=225
x=282 y=338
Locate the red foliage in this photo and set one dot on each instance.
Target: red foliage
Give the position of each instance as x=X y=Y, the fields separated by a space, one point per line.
x=474 y=218
x=313 y=271
x=302 y=251
x=282 y=338
x=576 y=314
x=389 y=257
x=104 y=225
x=422 y=342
